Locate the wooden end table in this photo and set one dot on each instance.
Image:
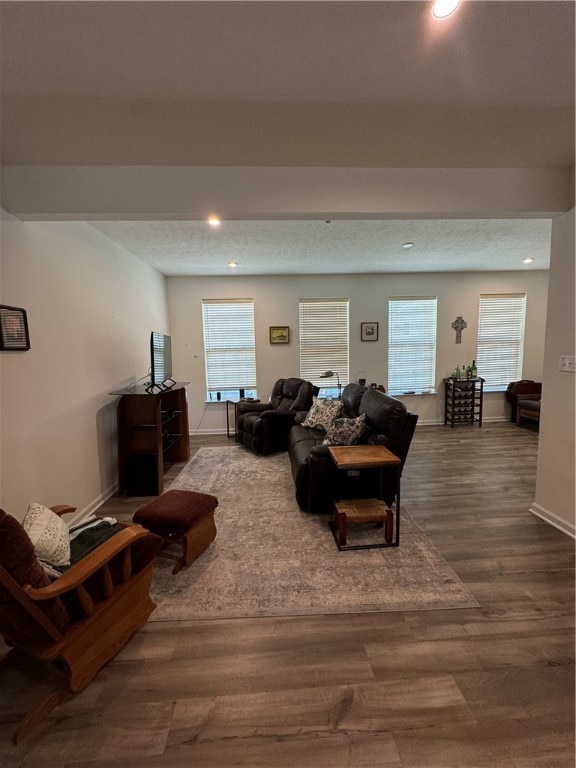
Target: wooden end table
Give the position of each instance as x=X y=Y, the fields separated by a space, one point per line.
x=355 y=511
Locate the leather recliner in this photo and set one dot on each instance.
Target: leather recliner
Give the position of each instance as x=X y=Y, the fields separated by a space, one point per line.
x=317 y=480
x=264 y=427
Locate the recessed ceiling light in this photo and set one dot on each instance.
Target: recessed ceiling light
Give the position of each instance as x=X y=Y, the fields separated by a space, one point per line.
x=232 y=264
x=407 y=245
x=214 y=221
x=529 y=260
x=443 y=8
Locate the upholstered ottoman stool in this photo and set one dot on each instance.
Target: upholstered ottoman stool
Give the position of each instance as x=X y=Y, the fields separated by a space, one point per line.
x=183 y=517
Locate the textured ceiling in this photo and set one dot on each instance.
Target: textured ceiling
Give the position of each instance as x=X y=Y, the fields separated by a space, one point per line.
x=314 y=247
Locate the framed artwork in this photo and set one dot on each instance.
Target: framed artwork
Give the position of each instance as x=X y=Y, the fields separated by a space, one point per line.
x=13 y=329
x=279 y=334
x=368 y=331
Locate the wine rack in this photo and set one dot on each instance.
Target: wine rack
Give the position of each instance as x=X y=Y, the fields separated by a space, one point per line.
x=463 y=401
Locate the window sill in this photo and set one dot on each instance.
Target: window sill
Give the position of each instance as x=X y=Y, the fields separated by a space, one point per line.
x=413 y=393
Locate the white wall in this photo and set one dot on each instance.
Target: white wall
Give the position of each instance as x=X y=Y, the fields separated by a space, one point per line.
x=276 y=303
x=555 y=493
x=91 y=307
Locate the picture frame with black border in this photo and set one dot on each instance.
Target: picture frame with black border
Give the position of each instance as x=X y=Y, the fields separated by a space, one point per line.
x=14 y=335
x=368 y=331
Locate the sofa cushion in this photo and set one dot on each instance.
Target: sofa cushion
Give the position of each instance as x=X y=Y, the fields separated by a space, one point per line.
x=322 y=414
x=48 y=533
x=345 y=431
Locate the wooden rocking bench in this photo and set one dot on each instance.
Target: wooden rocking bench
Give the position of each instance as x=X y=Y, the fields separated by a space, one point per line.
x=80 y=621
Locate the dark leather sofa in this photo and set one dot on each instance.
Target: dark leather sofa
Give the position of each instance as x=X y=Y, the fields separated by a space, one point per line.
x=264 y=427
x=316 y=479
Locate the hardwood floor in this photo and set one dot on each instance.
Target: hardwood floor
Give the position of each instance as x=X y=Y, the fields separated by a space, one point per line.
x=488 y=687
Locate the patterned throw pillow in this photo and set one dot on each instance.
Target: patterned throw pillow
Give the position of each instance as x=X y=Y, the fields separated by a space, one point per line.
x=49 y=534
x=345 y=431
x=323 y=414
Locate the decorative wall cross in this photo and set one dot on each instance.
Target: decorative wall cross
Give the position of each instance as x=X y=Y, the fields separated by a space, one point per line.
x=459 y=324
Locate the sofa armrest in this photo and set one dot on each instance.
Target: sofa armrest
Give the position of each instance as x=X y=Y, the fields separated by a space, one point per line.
x=75 y=579
x=320 y=451
x=245 y=407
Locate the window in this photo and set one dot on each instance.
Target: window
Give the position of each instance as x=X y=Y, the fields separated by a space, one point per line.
x=412 y=344
x=324 y=335
x=229 y=347
x=500 y=339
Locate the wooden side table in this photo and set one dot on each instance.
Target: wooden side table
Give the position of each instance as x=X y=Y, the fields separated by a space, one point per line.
x=356 y=511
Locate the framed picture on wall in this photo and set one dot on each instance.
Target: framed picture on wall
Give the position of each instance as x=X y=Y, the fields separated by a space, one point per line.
x=368 y=331
x=279 y=334
x=13 y=329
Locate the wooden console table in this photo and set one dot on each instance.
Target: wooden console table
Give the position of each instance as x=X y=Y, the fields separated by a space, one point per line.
x=355 y=511
x=152 y=431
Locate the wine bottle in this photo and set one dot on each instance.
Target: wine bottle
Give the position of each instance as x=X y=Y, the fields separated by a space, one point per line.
x=474 y=372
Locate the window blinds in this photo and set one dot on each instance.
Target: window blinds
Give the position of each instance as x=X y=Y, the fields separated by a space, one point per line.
x=229 y=344
x=411 y=344
x=500 y=338
x=324 y=336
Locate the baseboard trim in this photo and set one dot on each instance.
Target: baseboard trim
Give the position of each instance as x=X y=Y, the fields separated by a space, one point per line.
x=93 y=507
x=552 y=519
x=200 y=432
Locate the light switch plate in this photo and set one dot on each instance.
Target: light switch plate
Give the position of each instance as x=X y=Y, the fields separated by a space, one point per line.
x=568 y=363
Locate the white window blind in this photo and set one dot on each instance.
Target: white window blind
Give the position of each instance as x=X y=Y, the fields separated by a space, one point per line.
x=500 y=338
x=229 y=344
x=324 y=338
x=411 y=344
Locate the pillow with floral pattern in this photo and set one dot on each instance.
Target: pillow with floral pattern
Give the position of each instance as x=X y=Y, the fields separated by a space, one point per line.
x=345 y=431
x=323 y=414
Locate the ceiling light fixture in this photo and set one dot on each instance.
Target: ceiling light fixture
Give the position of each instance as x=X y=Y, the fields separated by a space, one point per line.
x=232 y=264
x=407 y=245
x=444 y=8
x=529 y=260
x=214 y=221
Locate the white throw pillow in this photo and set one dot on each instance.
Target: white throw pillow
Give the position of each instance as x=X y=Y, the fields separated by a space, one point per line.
x=323 y=414
x=49 y=534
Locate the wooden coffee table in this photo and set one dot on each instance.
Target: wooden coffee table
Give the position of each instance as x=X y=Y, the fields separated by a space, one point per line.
x=356 y=511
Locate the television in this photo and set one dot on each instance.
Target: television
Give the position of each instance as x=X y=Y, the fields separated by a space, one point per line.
x=160 y=361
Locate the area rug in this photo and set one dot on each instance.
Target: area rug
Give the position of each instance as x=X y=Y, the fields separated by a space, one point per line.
x=271 y=559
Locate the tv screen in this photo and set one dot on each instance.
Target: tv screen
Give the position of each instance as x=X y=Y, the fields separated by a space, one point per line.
x=161 y=360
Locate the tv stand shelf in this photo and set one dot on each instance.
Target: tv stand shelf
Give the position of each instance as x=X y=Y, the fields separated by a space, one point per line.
x=152 y=431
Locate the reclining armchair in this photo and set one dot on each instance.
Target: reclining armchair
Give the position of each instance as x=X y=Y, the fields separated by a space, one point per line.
x=81 y=620
x=264 y=427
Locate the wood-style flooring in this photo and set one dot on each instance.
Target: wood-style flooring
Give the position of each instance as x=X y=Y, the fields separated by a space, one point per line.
x=491 y=687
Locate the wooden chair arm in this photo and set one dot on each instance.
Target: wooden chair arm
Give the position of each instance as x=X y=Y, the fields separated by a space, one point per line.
x=62 y=509
x=77 y=574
